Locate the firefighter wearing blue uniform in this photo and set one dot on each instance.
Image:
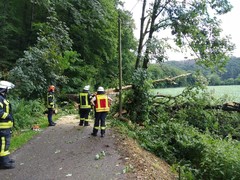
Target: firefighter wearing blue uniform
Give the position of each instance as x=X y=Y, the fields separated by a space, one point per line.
x=6 y=123
x=84 y=106
x=51 y=104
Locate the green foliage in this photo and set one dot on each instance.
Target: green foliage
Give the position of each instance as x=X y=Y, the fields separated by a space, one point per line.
x=138 y=100
x=161 y=71
x=192 y=137
x=10 y=36
x=129 y=45
x=18 y=139
x=29 y=113
x=220 y=160
x=200 y=154
x=93 y=29
x=68 y=43
x=26 y=113
x=194 y=26
x=44 y=64
x=124 y=128
x=229 y=75
x=195 y=23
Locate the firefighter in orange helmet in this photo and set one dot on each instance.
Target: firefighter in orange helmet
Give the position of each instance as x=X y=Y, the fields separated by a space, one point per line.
x=51 y=104
x=6 y=123
x=102 y=106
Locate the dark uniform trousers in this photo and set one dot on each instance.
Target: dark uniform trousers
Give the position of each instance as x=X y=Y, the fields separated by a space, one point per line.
x=84 y=117
x=99 y=123
x=5 y=135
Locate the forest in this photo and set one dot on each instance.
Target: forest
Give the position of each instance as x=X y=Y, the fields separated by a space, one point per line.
x=73 y=43
x=230 y=76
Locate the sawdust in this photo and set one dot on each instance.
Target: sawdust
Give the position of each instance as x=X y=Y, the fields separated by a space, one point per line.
x=141 y=163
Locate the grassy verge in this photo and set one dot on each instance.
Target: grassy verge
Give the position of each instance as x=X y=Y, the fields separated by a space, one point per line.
x=21 y=137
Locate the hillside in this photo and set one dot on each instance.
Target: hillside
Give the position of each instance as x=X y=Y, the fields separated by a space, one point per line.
x=232 y=68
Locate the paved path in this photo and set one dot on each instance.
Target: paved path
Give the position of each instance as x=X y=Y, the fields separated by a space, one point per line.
x=66 y=151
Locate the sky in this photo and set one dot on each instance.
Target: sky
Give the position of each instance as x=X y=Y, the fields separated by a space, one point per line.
x=229 y=25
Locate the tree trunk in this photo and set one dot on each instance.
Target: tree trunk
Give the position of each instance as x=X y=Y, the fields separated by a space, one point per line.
x=151 y=31
x=140 y=45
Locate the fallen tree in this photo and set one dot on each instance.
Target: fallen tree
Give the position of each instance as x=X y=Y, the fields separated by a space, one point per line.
x=167 y=79
x=229 y=106
x=74 y=97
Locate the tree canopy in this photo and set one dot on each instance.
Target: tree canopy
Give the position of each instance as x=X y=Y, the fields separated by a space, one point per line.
x=66 y=43
x=74 y=43
x=193 y=25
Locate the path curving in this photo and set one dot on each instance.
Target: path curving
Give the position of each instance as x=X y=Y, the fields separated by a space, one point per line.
x=67 y=151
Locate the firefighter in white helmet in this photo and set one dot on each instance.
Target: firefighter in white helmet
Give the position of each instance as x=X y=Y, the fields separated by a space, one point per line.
x=84 y=106
x=6 y=123
x=102 y=104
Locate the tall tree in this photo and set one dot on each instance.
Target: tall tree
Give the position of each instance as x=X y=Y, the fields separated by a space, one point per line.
x=93 y=29
x=10 y=36
x=17 y=30
x=194 y=25
x=44 y=63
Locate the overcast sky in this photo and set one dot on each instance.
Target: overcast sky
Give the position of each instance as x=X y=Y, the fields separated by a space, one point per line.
x=230 y=25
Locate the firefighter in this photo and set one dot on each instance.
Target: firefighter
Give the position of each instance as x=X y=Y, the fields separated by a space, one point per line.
x=84 y=106
x=6 y=123
x=51 y=104
x=102 y=106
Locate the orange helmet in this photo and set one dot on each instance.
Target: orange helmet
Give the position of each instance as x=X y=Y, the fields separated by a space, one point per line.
x=51 y=88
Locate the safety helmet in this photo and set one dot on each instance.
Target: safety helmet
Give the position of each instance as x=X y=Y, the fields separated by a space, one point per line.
x=5 y=85
x=100 y=89
x=86 y=88
x=51 y=88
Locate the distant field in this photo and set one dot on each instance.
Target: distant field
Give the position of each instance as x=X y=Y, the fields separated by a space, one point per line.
x=231 y=92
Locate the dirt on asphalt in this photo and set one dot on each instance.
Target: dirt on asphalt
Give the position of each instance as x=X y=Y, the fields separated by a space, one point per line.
x=68 y=151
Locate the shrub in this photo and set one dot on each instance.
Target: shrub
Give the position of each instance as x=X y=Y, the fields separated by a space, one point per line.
x=26 y=113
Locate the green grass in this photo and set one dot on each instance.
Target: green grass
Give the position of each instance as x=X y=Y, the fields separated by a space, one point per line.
x=231 y=93
x=21 y=137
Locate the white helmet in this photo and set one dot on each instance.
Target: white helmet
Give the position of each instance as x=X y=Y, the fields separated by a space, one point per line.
x=6 y=85
x=100 y=89
x=86 y=88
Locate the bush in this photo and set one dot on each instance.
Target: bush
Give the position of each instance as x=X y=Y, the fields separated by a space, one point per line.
x=187 y=135
x=26 y=113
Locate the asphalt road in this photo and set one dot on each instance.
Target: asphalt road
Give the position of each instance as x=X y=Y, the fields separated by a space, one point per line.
x=67 y=151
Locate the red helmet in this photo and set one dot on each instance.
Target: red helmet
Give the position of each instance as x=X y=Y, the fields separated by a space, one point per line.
x=51 y=88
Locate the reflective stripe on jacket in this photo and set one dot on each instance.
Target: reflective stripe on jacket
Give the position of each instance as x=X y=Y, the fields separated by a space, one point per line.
x=3 y=150
x=102 y=104
x=84 y=100
x=50 y=100
x=6 y=120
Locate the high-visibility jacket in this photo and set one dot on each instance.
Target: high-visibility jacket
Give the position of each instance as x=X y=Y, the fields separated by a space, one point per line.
x=50 y=100
x=84 y=100
x=101 y=103
x=6 y=119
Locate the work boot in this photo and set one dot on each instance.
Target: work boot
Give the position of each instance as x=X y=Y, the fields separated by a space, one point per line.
x=93 y=134
x=12 y=161
x=52 y=124
x=81 y=123
x=8 y=165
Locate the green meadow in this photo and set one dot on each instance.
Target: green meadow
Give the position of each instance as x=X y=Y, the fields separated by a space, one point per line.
x=231 y=93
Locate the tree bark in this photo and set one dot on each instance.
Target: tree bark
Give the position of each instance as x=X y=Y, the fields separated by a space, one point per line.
x=141 y=38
